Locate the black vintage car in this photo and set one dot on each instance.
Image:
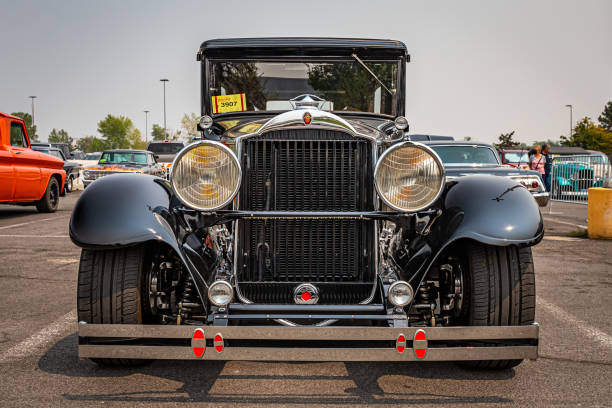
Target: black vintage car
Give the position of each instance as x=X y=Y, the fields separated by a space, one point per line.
x=72 y=169
x=306 y=226
x=472 y=158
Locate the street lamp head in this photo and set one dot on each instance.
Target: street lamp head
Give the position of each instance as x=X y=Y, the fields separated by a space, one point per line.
x=32 y=96
x=568 y=106
x=164 y=80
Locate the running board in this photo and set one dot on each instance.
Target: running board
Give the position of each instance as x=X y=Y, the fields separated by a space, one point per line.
x=279 y=343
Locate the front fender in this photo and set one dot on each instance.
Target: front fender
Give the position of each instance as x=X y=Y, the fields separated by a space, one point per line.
x=128 y=209
x=120 y=210
x=496 y=211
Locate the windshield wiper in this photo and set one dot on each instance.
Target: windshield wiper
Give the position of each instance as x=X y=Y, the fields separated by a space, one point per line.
x=371 y=73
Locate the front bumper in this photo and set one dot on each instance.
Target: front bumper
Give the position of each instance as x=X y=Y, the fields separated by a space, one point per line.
x=279 y=343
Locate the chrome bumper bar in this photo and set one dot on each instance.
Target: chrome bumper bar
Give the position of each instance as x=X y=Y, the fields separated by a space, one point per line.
x=279 y=343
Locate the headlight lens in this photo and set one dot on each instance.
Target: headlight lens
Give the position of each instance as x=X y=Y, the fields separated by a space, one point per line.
x=409 y=176
x=206 y=175
x=400 y=293
x=220 y=293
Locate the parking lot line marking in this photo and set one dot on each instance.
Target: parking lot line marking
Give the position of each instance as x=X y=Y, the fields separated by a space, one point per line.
x=566 y=223
x=32 y=222
x=36 y=342
x=560 y=238
x=34 y=236
x=594 y=333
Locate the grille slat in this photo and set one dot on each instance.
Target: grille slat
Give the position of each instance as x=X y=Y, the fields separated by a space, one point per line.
x=306 y=170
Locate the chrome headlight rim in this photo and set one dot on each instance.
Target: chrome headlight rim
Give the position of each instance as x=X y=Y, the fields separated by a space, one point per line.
x=186 y=150
x=392 y=300
x=428 y=150
x=221 y=283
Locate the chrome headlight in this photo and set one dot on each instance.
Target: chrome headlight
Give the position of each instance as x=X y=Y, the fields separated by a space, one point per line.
x=206 y=175
x=409 y=176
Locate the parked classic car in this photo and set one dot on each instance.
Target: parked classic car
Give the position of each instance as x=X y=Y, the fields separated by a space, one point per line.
x=166 y=151
x=122 y=161
x=72 y=169
x=471 y=158
x=515 y=158
x=27 y=177
x=306 y=227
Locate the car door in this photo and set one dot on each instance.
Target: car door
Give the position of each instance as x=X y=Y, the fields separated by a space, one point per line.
x=7 y=176
x=26 y=166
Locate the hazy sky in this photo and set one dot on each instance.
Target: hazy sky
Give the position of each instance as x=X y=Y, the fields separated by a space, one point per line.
x=478 y=68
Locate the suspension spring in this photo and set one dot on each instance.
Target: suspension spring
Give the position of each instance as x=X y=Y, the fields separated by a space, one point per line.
x=187 y=296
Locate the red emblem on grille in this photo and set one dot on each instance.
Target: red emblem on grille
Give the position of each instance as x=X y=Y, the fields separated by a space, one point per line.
x=306 y=296
x=307 y=118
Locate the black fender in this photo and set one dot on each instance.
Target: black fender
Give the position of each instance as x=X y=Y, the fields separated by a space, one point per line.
x=129 y=209
x=492 y=210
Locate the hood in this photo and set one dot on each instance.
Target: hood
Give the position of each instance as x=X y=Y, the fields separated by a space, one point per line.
x=71 y=164
x=115 y=167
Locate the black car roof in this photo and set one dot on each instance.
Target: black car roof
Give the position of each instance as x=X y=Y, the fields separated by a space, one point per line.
x=305 y=46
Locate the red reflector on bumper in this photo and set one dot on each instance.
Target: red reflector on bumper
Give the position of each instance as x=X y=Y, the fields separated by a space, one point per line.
x=198 y=343
x=419 y=344
x=218 y=343
x=400 y=343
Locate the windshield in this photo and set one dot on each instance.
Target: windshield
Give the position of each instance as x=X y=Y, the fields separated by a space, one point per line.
x=123 y=157
x=268 y=86
x=516 y=157
x=93 y=156
x=165 y=148
x=462 y=155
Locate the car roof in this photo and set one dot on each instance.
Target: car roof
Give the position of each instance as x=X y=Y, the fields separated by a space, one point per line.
x=125 y=151
x=424 y=138
x=6 y=115
x=306 y=46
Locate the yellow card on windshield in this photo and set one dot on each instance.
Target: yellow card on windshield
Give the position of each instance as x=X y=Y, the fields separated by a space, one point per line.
x=229 y=103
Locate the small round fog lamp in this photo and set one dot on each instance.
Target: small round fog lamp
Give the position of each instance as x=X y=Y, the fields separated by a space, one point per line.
x=220 y=293
x=206 y=122
x=400 y=293
x=401 y=123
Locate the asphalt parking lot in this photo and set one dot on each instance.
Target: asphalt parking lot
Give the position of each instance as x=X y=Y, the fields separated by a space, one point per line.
x=39 y=364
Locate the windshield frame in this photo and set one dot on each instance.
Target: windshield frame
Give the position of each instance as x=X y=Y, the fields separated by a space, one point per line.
x=206 y=94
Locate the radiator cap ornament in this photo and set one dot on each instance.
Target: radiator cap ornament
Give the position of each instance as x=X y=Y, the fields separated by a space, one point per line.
x=306 y=294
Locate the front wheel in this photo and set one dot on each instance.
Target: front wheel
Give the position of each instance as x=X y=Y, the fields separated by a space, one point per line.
x=501 y=292
x=70 y=184
x=109 y=288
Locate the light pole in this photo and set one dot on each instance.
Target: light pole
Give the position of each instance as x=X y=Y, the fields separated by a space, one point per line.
x=32 y=97
x=164 y=80
x=146 y=125
x=571 y=120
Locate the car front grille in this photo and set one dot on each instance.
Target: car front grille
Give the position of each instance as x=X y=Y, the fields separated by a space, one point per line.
x=306 y=170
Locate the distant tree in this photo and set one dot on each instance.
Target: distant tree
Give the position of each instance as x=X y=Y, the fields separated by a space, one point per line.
x=116 y=131
x=157 y=132
x=59 y=136
x=189 y=125
x=589 y=136
x=27 y=118
x=506 y=142
x=90 y=144
x=135 y=139
x=244 y=78
x=605 y=119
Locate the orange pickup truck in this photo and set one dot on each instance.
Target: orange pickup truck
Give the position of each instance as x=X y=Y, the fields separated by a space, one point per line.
x=27 y=177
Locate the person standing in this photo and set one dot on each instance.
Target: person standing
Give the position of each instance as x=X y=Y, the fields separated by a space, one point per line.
x=547 y=165
x=537 y=162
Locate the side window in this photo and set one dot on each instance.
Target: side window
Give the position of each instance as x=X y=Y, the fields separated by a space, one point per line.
x=18 y=135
